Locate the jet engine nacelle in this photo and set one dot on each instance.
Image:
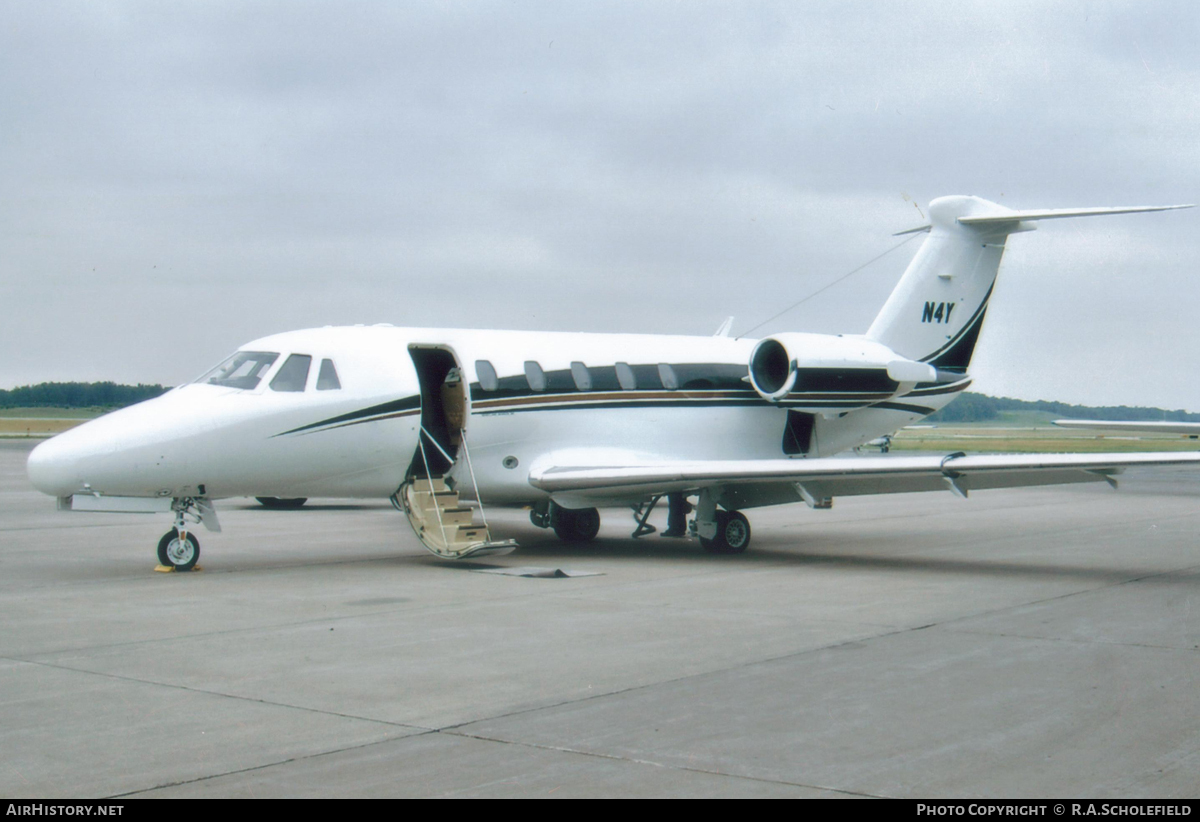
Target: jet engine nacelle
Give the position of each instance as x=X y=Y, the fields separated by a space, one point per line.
x=800 y=363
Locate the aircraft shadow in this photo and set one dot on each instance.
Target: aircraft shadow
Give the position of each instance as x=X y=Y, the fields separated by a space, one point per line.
x=540 y=551
x=309 y=507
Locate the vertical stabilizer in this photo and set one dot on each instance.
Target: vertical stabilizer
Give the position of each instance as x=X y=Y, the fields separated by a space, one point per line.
x=936 y=311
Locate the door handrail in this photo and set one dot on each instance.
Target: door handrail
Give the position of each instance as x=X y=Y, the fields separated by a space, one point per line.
x=470 y=468
x=433 y=494
x=438 y=446
x=474 y=484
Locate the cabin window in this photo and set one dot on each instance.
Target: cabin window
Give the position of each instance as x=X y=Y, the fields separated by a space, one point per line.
x=293 y=374
x=487 y=375
x=243 y=370
x=625 y=376
x=583 y=379
x=535 y=376
x=667 y=374
x=327 y=378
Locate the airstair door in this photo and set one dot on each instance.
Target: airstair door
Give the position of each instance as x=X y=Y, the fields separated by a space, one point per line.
x=428 y=496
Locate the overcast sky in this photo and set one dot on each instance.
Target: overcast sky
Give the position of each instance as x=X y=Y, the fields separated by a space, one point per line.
x=179 y=178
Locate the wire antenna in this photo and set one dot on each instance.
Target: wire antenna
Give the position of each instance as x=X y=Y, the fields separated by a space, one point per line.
x=828 y=286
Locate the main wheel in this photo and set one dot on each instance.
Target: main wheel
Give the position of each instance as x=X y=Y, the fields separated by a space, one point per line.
x=180 y=554
x=576 y=524
x=281 y=504
x=733 y=534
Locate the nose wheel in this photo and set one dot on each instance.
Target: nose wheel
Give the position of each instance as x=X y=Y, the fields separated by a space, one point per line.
x=178 y=551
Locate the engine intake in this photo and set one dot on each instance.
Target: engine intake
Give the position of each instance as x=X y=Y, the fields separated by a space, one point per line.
x=772 y=369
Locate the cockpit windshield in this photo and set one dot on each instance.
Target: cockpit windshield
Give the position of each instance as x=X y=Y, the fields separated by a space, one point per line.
x=243 y=370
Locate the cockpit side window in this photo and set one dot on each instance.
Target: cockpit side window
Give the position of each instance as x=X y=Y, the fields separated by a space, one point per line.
x=293 y=374
x=243 y=370
x=327 y=378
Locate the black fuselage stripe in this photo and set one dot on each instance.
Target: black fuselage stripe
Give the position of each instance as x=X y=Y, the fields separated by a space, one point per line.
x=530 y=400
x=976 y=317
x=953 y=388
x=633 y=403
x=404 y=404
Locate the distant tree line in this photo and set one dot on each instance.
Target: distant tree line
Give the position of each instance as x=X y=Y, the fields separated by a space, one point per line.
x=970 y=407
x=967 y=407
x=77 y=395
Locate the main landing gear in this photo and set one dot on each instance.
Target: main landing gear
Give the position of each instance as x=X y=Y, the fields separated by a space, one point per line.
x=732 y=535
x=575 y=524
x=569 y=524
x=279 y=504
x=720 y=532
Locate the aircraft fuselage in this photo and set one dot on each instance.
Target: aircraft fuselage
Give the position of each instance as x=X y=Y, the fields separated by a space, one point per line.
x=642 y=397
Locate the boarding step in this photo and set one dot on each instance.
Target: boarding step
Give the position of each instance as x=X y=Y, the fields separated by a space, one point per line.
x=426 y=485
x=444 y=527
x=458 y=516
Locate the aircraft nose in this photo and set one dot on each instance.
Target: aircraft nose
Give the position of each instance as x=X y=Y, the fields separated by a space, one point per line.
x=136 y=451
x=48 y=466
x=52 y=467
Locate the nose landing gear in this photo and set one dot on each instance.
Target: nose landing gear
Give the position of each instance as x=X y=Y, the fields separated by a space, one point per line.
x=179 y=550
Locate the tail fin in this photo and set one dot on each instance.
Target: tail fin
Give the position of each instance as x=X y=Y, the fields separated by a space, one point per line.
x=936 y=311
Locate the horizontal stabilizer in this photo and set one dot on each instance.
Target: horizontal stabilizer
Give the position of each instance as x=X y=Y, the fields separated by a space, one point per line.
x=1009 y=216
x=1056 y=213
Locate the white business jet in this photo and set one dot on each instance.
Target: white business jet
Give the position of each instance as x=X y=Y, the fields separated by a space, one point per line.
x=567 y=423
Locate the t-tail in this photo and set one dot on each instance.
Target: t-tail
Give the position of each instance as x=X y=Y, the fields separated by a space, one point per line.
x=936 y=311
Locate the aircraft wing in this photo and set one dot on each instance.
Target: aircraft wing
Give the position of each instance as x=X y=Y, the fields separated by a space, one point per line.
x=750 y=483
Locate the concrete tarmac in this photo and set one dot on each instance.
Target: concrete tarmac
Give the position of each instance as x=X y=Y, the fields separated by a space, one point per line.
x=1022 y=643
